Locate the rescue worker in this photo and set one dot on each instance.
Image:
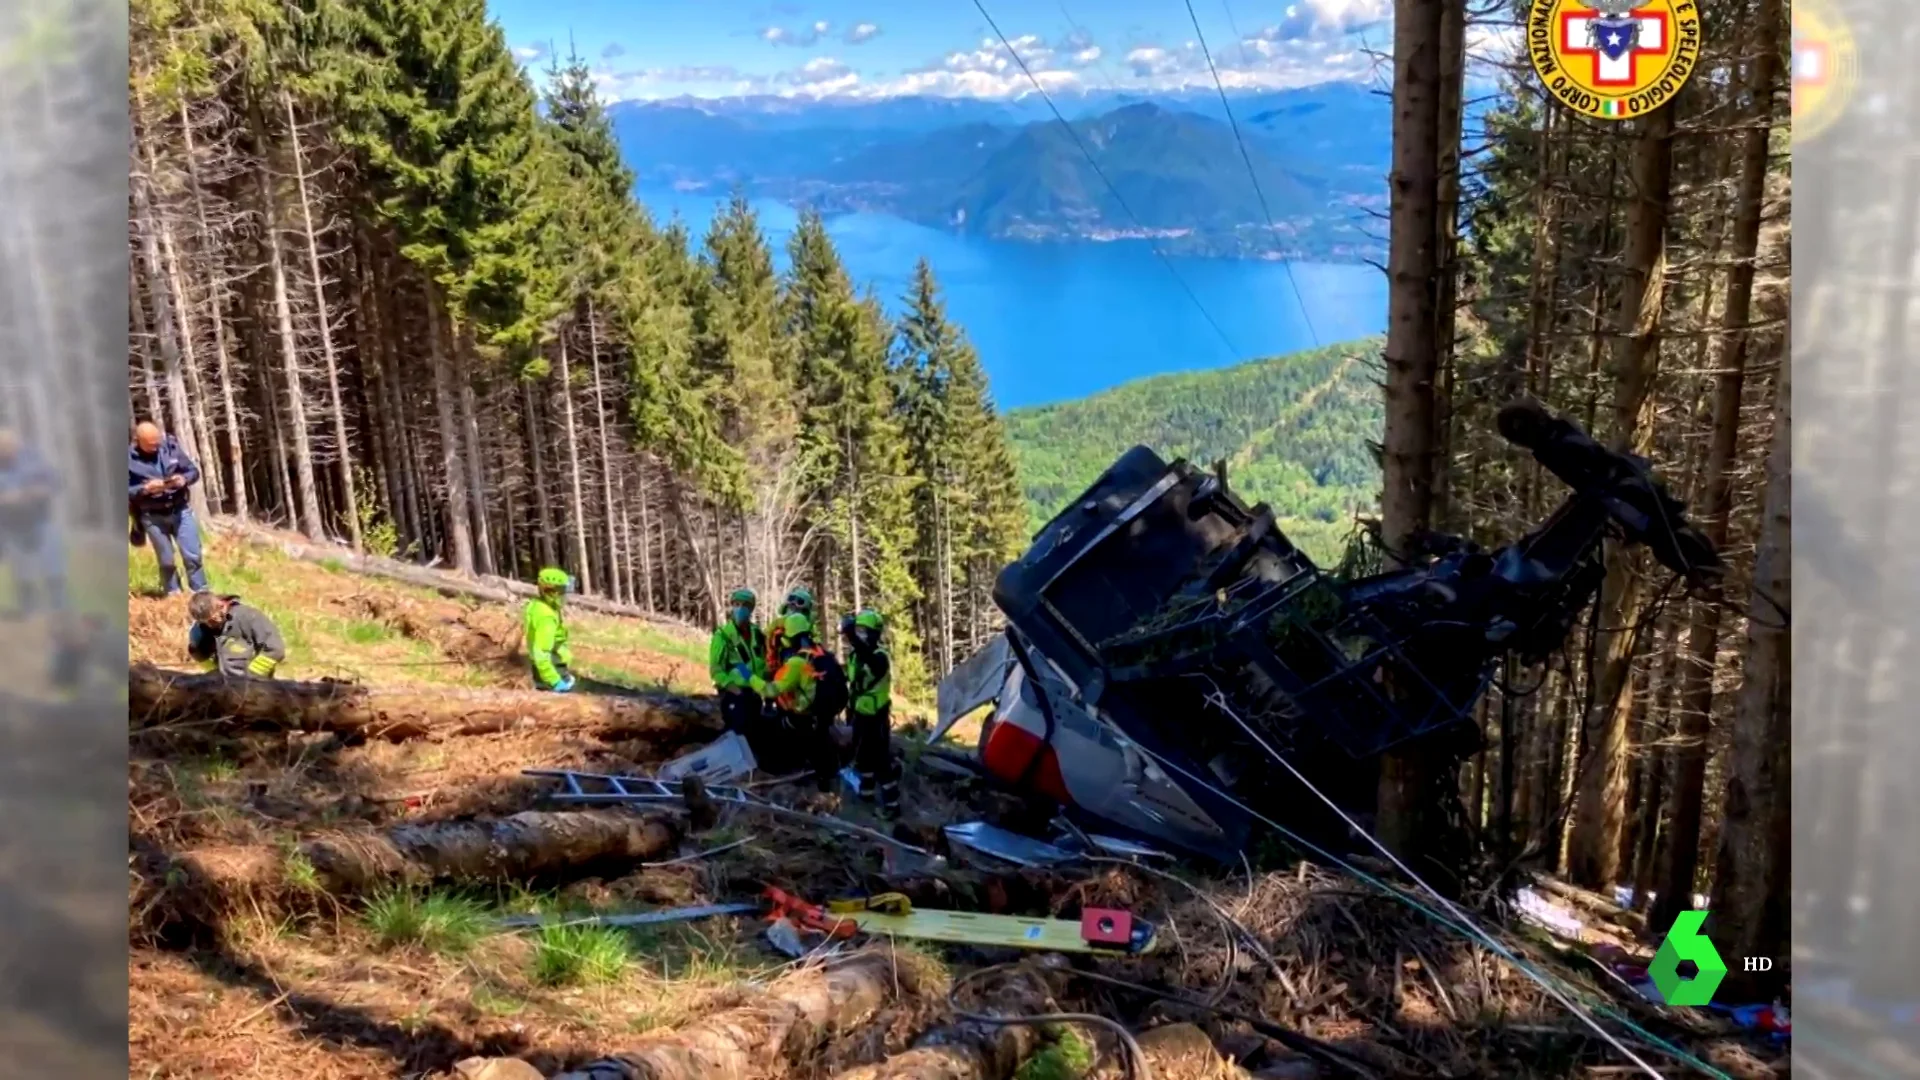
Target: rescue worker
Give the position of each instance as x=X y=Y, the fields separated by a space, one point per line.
x=870 y=709
x=800 y=600
x=236 y=638
x=159 y=473
x=735 y=656
x=546 y=632
x=808 y=689
x=29 y=533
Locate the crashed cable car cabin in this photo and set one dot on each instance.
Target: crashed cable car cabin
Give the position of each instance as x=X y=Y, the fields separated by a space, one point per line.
x=1167 y=644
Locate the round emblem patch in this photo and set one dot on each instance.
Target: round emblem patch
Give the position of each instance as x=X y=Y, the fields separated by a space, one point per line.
x=1613 y=59
x=1824 y=67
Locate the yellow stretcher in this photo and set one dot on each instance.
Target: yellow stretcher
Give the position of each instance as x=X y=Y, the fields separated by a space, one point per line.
x=1098 y=931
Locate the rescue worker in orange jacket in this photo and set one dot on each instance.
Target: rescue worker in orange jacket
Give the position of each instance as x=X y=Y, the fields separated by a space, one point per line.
x=800 y=600
x=808 y=689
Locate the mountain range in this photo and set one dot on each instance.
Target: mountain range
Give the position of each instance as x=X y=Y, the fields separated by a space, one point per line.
x=1008 y=169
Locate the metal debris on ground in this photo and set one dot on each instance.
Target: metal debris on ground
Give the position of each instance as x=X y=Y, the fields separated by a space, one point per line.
x=721 y=761
x=637 y=918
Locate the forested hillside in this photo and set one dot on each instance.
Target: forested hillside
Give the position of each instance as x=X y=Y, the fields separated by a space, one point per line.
x=387 y=290
x=1634 y=276
x=1296 y=432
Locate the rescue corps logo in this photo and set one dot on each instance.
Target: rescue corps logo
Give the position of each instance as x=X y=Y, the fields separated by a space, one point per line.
x=1613 y=59
x=1823 y=67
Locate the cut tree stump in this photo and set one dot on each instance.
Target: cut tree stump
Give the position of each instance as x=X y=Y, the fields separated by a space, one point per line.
x=968 y=1050
x=159 y=696
x=795 y=1015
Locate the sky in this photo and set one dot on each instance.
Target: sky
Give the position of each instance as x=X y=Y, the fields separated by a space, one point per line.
x=648 y=49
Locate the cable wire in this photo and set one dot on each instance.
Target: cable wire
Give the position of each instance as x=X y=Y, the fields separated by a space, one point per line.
x=1457 y=920
x=1247 y=157
x=1137 y=1067
x=1233 y=349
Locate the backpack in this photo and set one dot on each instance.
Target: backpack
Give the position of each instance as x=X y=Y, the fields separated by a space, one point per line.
x=830 y=693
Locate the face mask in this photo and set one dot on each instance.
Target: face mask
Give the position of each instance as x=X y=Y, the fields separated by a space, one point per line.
x=742 y=614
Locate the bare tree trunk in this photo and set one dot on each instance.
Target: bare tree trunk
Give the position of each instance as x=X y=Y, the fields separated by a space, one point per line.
x=343 y=449
x=1727 y=359
x=1756 y=835
x=536 y=436
x=171 y=349
x=1410 y=436
x=444 y=395
x=233 y=443
x=309 y=513
x=470 y=433
x=646 y=537
x=142 y=331
x=1600 y=807
x=577 y=508
x=606 y=453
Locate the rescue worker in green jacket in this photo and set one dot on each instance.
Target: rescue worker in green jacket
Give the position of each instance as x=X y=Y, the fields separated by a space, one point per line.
x=737 y=655
x=870 y=709
x=546 y=632
x=235 y=638
x=808 y=689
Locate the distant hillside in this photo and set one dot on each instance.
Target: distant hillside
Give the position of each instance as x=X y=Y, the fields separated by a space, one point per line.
x=1294 y=430
x=996 y=169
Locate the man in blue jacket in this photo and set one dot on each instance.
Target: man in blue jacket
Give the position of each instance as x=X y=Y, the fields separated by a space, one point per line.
x=159 y=473
x=29 y=533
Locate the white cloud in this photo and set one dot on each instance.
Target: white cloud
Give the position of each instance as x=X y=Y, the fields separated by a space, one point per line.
x=1326 y=18
x=862 y=32
x=820 y=27
x=529 y=53
x=1088 y=55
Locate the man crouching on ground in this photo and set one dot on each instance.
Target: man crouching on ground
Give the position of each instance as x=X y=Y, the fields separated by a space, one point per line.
x=235 y=638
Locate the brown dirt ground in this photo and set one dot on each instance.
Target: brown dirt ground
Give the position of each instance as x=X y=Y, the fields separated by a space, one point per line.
x=255 y=988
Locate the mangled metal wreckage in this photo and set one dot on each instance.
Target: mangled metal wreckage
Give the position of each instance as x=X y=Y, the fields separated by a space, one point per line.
x=1167 y=643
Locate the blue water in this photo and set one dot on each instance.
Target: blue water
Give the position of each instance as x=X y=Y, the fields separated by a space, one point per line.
x=1059 y=321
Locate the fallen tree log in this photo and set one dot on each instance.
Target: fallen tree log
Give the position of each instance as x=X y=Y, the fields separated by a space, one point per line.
x=159 y=696
x=795 y=1015
x=968 y=1049
x=219 y=879
x=445 y=582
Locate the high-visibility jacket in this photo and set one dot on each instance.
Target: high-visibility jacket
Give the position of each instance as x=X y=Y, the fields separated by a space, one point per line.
x=249 y=643
x=869 y=681
x=546 y=633
x=730 y=650
x=794 y=683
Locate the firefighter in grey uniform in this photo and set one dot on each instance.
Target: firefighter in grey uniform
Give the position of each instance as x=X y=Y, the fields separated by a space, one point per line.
x=236 y=638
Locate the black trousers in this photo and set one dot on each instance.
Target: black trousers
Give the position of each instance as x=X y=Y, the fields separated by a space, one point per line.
x=873 y=757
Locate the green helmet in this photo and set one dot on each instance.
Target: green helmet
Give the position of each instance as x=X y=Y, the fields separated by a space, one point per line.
x=743 y=597
x=870 y=619
x=553 y=578
x=795 y=624
x=800 y=599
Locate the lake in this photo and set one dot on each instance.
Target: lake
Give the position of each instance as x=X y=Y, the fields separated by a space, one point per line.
x=1059 y=321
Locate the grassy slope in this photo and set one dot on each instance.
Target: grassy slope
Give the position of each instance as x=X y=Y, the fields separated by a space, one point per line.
x=1294 y=430
x=329 y=635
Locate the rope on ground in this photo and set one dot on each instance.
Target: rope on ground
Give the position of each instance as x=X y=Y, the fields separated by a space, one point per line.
x=1460 y=923
x=1136 y=1058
